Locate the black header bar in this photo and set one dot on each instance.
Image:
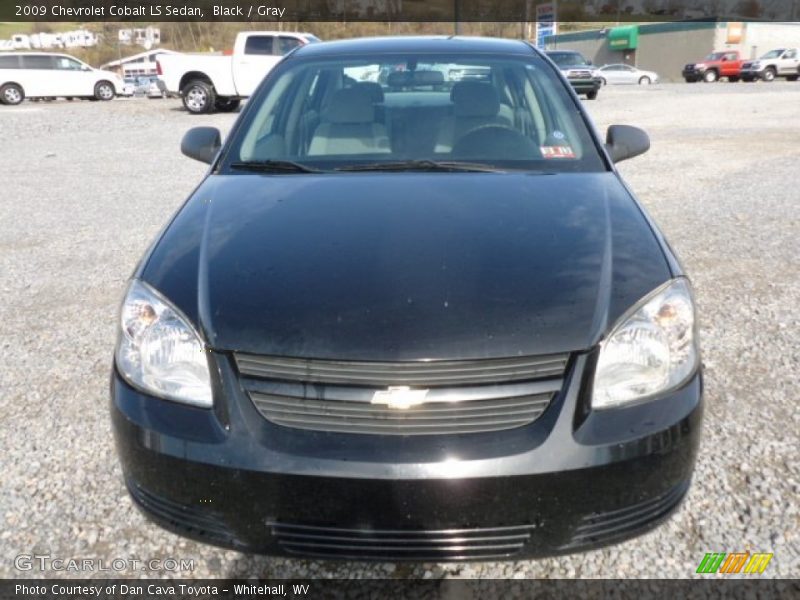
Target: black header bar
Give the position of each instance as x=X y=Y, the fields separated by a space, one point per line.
x=393 y=10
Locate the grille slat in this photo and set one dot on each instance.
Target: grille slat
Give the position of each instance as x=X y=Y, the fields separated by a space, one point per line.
x=420 y=373
x=455 y=540
x=183 y=517
x=621 y=523
x=276 y=403
x=362 y=417
x=461 y=396
x=452 y=544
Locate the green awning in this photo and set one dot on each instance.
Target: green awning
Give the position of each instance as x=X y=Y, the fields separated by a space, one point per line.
x=624 y=38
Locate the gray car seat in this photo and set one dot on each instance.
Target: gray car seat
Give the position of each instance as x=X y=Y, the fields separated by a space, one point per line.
x=349 y=126
x=475 y=104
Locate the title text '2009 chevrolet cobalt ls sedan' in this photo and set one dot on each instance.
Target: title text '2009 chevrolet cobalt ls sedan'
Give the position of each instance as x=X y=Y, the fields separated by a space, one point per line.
x=409 y=314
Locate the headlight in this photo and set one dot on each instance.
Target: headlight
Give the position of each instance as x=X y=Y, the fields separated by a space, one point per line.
x=755 y=65
x=651 y=350
x=159 y=351
x=700 y=67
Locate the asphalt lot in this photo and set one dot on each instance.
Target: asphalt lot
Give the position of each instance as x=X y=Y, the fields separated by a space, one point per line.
x=85 y=186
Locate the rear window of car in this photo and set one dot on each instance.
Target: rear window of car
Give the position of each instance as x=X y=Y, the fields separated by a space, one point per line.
x=38 y=62
x=259 y=44
x=9 y=62
x=507 y=112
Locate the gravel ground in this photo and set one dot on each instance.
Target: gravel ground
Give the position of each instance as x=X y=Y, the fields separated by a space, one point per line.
x=85 y=186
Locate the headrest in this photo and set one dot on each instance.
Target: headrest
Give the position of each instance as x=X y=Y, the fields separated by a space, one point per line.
x=475 y=99
x=373 y=90
x=350 y=105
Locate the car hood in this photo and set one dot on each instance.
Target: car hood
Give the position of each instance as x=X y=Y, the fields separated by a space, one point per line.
x=405 y=266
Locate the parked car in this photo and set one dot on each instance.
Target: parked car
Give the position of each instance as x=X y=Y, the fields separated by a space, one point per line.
x=128 y=87
x=49 y=75
x=715 y=66
x=578 y=70
x=154 y=92
x=147 y=86
x=207 y=83
x=408 y=326
x=782 y=62
x=626 y=74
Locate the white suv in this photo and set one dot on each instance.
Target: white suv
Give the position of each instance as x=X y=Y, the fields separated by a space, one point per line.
x=45 y=75
x=782 y=62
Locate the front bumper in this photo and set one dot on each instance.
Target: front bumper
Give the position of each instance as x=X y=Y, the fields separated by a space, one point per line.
x=585 y=86
x=692 y=74
x=752 y=74
x=572 y=480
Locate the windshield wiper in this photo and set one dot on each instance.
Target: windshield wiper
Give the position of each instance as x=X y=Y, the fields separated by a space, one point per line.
x=423 y=165
x=274 y=166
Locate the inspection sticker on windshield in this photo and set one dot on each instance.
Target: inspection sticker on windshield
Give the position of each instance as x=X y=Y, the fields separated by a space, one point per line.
x=557 y=152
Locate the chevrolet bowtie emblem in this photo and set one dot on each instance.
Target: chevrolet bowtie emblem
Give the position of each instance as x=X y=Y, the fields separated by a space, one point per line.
x=400 y=397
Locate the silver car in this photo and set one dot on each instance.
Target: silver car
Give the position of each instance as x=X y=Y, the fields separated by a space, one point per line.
x=626 y=74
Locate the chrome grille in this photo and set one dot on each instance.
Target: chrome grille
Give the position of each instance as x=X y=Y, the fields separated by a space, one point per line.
x=412 y=373
x=393 y=544
x=462 y=396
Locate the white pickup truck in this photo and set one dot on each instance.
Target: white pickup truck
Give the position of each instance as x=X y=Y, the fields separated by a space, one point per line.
x=209 y=82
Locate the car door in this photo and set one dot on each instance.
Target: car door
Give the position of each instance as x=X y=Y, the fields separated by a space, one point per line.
x=259 y=55
x=73 y=77
x=609 y=73
x=37 y=75
x=620 y=74
x=729 y=65
x=628 y=74
x=789 y=62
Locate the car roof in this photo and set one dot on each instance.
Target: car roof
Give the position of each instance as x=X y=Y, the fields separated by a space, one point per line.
x=422 y=44
x=35 y=53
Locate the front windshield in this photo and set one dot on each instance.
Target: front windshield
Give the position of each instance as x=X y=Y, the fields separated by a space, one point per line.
x=773 y=54
x=715 y=56
x=347 y=113
x=567 y=59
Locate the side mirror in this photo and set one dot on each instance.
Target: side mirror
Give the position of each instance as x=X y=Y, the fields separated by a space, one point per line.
x=202 y=143
x=624 y=141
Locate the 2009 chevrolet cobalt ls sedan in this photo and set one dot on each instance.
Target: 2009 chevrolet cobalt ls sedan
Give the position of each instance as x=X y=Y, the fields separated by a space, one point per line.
x=409 y=314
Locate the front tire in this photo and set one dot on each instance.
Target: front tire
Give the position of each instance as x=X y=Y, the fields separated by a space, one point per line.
x=644 y=80
x=603 y=81
x=199 y=97
x=769 y=75
x=104 y=90
x=227 y=104
x=11 y=94
x=710 y=76
x=733 y=79
x=591 y=95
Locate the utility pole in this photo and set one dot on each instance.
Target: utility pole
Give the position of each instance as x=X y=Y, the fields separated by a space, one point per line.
x=457 y=17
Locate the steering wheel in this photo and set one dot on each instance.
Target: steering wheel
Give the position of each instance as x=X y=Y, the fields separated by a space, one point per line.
x=496 y=142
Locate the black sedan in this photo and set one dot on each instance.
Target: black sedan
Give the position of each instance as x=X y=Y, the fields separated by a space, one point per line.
x=423 y=319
